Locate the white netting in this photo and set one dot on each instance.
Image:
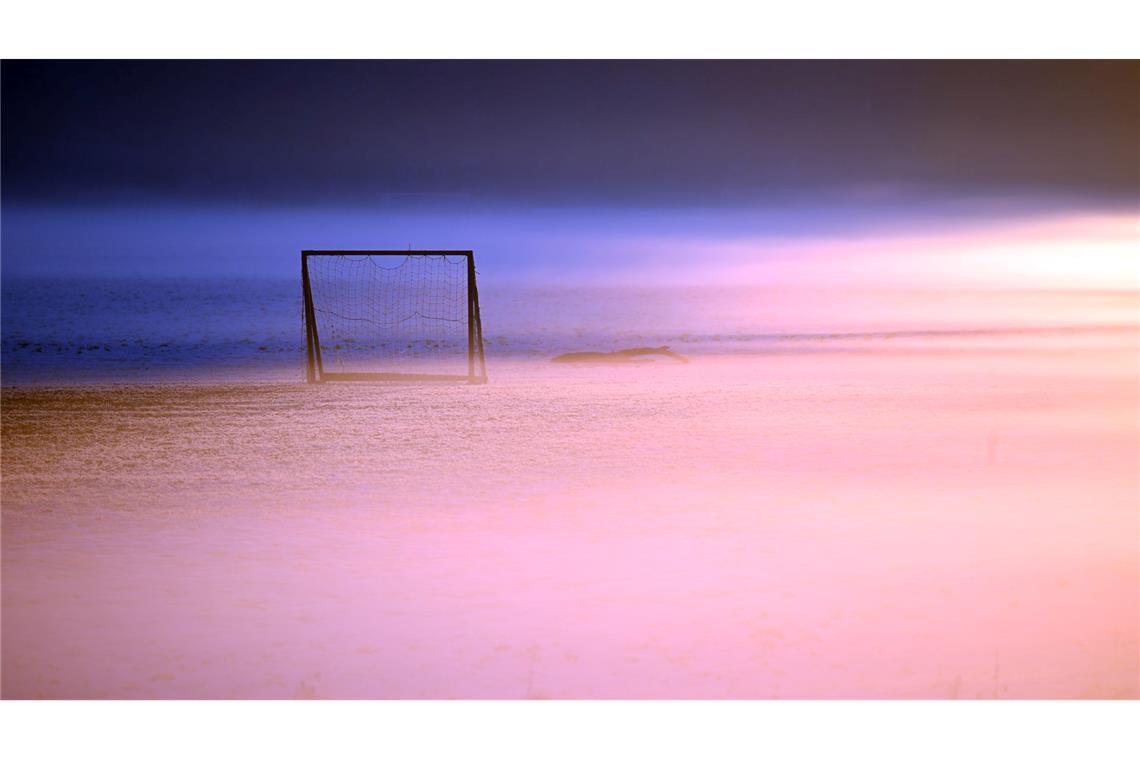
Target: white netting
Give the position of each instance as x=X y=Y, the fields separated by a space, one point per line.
x=391 y=313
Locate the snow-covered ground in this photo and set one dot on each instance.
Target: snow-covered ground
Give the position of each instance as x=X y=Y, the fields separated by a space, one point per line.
x=893 y=523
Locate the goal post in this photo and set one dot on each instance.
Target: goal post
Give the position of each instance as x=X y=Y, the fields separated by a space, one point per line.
x=392 y=315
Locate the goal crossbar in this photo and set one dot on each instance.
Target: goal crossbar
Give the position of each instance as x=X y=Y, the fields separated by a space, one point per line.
x=315 y=356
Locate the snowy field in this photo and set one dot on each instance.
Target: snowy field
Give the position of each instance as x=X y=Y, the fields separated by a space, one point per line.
x=956 y=522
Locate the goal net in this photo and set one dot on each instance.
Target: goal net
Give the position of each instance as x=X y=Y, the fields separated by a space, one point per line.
x=392 y=315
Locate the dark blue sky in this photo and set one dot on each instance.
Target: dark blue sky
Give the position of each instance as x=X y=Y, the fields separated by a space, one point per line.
x=590 y=132
x=437 y=151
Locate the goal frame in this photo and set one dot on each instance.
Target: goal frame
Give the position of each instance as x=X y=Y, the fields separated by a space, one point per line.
x=476 y=359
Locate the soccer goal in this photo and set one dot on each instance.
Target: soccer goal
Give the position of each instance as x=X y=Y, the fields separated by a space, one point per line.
x=392 y=315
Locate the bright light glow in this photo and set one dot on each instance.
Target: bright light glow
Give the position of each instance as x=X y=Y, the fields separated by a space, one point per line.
x=1077 y=252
